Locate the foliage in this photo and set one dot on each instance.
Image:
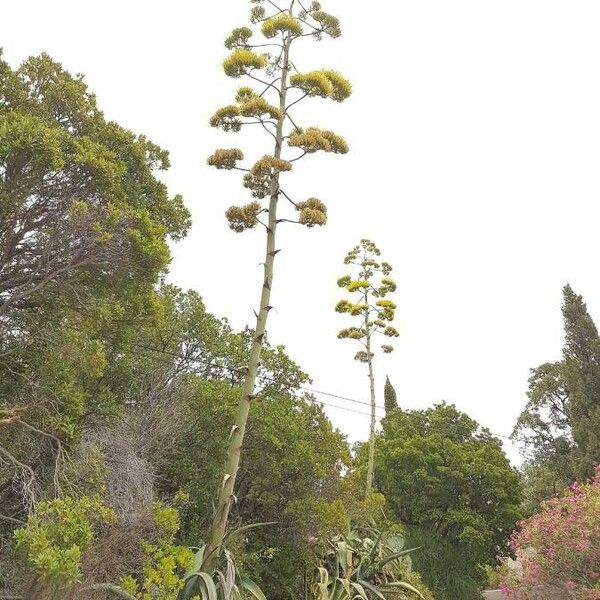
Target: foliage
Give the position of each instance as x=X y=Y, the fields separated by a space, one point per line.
x=389 y=396
x=560 y=423
x=447 y=480
x=447 y=565
x=362 y=566
x=81 y=205
x=291 y=473
x=559 y=548
x=165 y=561
x=57 y=534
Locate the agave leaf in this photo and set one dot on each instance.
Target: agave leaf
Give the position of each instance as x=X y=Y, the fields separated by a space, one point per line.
x=322 y=587
x=369 y=558
x=404 y=586
x=396 y=556
x=198 y=559
x=252 y=588
x=396 y=543
x=245 y=528
x=190 y=589
x=323 y=576
x=361 y=591
x=372 y=588
x=209 y=586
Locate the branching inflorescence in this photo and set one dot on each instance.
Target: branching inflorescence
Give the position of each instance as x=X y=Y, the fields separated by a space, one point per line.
x=272 y=70
x=369 y=285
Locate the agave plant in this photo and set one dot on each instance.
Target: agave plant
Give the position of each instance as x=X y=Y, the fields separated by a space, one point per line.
x=226 y=583
x=362 y=567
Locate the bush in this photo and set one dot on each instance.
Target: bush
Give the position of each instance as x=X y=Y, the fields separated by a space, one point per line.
x=559 y=548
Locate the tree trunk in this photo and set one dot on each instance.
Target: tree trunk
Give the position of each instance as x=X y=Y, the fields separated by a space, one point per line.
x=236 y=440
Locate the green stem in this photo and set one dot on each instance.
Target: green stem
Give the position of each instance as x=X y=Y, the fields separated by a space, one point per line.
x=371 y=462
x=227 y=486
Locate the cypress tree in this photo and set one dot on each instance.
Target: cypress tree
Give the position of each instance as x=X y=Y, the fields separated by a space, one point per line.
x=389 y=395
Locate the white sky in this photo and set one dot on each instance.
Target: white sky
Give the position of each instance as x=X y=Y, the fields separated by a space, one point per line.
x=475 y=144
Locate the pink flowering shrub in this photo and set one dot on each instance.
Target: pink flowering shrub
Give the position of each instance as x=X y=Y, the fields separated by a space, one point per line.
x=559 y=548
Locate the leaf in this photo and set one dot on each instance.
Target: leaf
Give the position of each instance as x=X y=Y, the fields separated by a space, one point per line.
x=361 y=591
x=199 y=583
x=198 y=559
x=252 y=588
x=245 y=528
x=405 y=586
x=211 y=588
x=392 y=557
x=372 y=588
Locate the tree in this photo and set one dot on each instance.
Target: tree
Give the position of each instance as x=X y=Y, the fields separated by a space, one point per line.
x=373 y=312
x=84 y=230
x=80 y=204
x=448 y=480
x=389 y=396
x=561 y=422
x=282 y=28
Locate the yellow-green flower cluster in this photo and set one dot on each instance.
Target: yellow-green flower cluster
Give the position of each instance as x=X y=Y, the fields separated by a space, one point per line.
x=387 y=348
x=239 y=38
x=362 y=356
x=324 y=83
x=387 y=309
x=344 y=281
x=257 y=14
x=391 y=331
x=227 y=118
x=225 y=158
x=283 y=23
x=328 y=23
x=353 y=333
x=312 y=212
x=258 y=180
x=388 y=284
x=355 y=286
x=244 y=94
x=343 y=306
x=314 y=139
x=242 y=61
x=243 y=217
x=258 y=107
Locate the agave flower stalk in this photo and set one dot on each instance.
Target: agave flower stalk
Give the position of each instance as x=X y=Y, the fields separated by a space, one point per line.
x=279 y=90
x=373 y=311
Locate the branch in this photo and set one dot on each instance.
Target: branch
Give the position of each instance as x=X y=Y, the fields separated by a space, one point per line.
x=295 y=102
x=299 y=157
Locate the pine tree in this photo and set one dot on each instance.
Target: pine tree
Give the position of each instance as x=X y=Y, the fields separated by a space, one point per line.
x=373 y=311
x=268 y=62
x=389 y=396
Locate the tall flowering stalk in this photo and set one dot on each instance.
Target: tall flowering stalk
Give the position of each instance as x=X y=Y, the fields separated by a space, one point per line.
x=559 y=548
x=278 y=87
x=370 y=285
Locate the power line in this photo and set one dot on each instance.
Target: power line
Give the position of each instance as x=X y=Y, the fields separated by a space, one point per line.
x=301 y=387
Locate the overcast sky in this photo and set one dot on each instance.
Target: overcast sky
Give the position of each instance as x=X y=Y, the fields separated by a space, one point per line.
x=475 y=146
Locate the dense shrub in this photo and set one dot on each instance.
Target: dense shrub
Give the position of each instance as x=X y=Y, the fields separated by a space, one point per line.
x=560 y=546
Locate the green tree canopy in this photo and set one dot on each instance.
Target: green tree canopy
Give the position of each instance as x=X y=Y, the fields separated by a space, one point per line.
x=560 y=425
x=447 y=479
